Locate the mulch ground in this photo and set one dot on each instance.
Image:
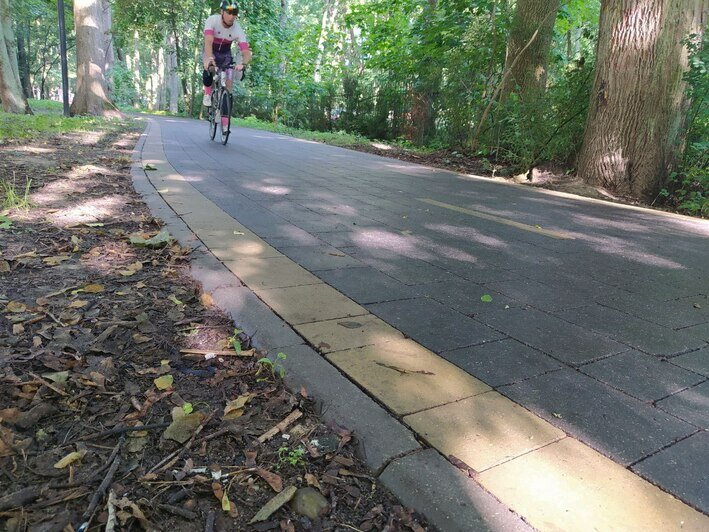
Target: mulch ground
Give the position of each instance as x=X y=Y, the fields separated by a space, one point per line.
x=128 y=401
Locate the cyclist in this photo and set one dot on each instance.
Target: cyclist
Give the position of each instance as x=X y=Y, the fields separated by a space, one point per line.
x=220 y=31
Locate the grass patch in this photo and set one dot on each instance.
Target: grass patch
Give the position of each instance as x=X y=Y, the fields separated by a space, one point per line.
x=345 y=140
x=47 y=120
x=13 y=197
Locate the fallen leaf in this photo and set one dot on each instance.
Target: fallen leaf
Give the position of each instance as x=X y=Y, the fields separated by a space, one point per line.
x=697 y=305
x=487 y=298
x=18 y=329
x=5 y=222
x=164 y=382
x=174 y=299
x=70 y=459
x=70 y=317
x=226 y=505
x=187 y=408
x=16 y=306
x=312 y=480
x=93 y=288
x=556 y=415
x=235 y=408
x=183 y=425
x=274 y=480
x=4 y=266
x=55 y=260
x=149 y=167
x=78 y=303
x=59 y=376
x=140 y=338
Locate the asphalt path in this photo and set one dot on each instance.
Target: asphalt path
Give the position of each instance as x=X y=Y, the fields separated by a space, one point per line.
x=592 y=315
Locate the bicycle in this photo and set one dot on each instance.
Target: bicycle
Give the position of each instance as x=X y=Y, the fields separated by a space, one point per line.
x=221 y=106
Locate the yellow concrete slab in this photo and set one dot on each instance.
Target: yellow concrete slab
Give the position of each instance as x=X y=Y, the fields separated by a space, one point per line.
x=305 y=304
x=209 y=218
x=341 y=334
x=484 y=430
x=275 y=272
x=226 y=244
x=569 y=486
x=407 y=377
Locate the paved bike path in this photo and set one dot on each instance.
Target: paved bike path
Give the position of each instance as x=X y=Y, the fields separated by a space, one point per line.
x=598 y=320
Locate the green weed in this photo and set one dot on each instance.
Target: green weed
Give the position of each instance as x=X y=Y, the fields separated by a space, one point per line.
x=292 y=457
x=275 y=368
x=12 y=195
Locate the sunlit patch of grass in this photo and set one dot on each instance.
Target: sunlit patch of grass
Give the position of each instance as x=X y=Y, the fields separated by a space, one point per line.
x=47 y=120
x=12 y=195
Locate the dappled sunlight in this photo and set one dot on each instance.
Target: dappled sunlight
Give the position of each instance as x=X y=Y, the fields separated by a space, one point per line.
x=468 y=233
x=33 y=149
x=381 y=146
x=85 y=170
x=57 y=192
x=90 y=211
x=108 y=258
x=379 y=239
x=626 y=249
x=597 y=222
x=567 y=484
x=340 y=334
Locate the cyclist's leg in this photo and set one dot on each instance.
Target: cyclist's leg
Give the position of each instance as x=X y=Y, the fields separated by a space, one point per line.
x=207 y=81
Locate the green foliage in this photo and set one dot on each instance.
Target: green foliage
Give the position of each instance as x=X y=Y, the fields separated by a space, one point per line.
x=687 y=190
x=12 y=196
x=47 y=121
x=274 y=367
x=234 y=341
x=292 y=457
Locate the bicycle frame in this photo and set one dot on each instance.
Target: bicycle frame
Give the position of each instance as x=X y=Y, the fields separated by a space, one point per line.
x=220 y=108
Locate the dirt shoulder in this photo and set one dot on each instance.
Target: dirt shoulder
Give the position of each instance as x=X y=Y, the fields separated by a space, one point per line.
x=127 y=399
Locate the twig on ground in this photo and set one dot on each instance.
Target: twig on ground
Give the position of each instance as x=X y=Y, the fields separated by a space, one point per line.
x=176 y=510
x=123 y=430
x=280 y=427
x=49 y=385
x=98 y=495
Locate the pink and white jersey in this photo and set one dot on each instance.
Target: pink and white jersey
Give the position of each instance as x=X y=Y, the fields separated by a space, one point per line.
x=223 y=37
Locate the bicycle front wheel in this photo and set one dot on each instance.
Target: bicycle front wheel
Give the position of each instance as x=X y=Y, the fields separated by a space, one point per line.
x=225 y=118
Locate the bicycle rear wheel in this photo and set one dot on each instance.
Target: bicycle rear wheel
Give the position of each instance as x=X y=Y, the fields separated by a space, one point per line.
x=212 y=116
x=225 y=118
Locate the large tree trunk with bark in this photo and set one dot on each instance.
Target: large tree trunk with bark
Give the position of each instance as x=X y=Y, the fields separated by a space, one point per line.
x=528 y=48
x=422 y=126
x=90 y=97
x=634 y=131
x=13 y=100
x=23 y=62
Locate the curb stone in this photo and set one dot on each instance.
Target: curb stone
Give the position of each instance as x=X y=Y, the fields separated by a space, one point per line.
x=425 y=479
x=381 y=439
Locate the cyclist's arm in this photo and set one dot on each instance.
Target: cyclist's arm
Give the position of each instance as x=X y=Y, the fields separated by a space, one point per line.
x=207 y=53
x=245 y=52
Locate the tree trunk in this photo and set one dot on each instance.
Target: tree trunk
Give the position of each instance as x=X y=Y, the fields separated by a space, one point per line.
x=23 y=60
x=109 y=52
x=327 y=16
x=171 y=72
x=634 y=127
x=90 y=97
x=422 y=126
x=13 y=100
x=528 y=74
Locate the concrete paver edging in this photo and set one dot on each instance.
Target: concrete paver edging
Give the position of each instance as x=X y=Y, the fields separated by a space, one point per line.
x=566 y=483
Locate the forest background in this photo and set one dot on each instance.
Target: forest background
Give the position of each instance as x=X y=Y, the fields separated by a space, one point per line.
x=612 y=90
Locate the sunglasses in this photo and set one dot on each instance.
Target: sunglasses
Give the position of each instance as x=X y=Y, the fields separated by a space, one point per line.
x=232 y=10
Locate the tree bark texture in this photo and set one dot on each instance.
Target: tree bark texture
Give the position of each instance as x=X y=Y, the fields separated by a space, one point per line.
x=90 y=97
x=13 y=100
x=23 y=59
x=633 y=133
x=528 y=75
